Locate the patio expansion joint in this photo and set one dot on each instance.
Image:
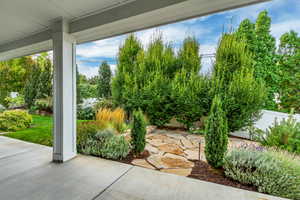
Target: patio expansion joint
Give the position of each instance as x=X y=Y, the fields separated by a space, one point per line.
x=98 y=195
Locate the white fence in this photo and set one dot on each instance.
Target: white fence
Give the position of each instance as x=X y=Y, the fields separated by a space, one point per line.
x=267 y=120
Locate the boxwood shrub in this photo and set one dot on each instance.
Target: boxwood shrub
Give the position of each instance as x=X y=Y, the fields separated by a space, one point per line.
x=13 y=120
x=272 y=172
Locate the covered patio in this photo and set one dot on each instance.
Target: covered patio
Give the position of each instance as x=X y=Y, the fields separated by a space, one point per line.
x=31 y=27
x=26 y=173
x=30 y=171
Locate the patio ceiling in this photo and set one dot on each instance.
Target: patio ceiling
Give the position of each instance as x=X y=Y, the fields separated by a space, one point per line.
x=25 y=25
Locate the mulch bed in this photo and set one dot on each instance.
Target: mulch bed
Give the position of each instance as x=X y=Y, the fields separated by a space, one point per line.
x=203 y=171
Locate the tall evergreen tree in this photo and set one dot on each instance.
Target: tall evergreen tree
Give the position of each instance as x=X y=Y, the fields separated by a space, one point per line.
x=104 y=78
x=233 y=80
x=127 y=57
x=216 y=134
x=189 y=56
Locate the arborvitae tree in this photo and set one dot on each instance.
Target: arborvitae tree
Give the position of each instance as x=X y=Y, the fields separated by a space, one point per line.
x=189 y=56
x=232 y=55
x=104 y=80
x=234 y=82
x=289 y=51
x=126 y=63
x=216 y=134
x=138 y=132
x=246 y=33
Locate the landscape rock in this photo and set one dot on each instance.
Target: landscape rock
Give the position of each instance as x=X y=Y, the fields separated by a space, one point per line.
x=192 y=154
x=156 y=161
x=142 y=163
x=180 y=172
x=155 y=142
x=174 y=161
x=151 y=149
x=187 y=144
x=171 y=148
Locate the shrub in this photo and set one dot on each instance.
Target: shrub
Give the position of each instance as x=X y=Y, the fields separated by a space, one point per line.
x=87 y=113
x=107 y=144
x=216 y=138
x=284 y=135
x=273 y=172
x=189 y=94
x=138 y=132
x=157 y=100
x=243 y=100
x=45 y=104
x=86 y=130
x=13 y=120
x=233 y=79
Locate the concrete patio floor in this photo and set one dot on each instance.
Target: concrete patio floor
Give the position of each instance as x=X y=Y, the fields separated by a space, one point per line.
x=27 y=173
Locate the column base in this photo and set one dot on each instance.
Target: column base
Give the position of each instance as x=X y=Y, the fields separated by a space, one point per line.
x=59 y=158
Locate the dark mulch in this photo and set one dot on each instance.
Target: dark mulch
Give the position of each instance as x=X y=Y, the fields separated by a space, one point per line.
x=131 y=156
x=203 y=171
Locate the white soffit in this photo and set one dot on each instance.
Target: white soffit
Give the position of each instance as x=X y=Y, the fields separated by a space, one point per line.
x=25 y=29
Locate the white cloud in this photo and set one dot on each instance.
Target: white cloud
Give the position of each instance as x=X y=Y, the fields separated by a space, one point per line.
x=102 y=48
x=208 y=49
x=284 y=26
x=174 y=33
x=90 y=71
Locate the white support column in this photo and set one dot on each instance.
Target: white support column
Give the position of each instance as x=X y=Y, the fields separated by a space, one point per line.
x=64 y=45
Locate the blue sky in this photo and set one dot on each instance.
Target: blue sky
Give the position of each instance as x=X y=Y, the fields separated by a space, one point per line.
x=285 y=16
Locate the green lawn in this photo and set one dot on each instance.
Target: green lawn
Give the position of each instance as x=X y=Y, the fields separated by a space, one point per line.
x=40 y=131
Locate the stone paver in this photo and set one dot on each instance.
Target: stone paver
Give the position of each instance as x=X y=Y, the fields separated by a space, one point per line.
x=174 y=151
x=171 y=148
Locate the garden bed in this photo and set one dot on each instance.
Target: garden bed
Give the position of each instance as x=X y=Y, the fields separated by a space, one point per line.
x=204 y=172
x=177 y=151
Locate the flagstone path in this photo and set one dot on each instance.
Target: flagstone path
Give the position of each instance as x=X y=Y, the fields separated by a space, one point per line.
x=173 y=151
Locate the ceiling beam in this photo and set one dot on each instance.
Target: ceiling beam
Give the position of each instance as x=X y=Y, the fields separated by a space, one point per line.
x=118 y=13
x=130 y=17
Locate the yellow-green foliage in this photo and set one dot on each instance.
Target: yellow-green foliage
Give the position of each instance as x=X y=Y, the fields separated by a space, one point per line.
x=113 y=117
x=13 y=120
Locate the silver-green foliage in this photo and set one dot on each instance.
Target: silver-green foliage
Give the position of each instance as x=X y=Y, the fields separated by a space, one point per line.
x=107 y=144
x=272 y=172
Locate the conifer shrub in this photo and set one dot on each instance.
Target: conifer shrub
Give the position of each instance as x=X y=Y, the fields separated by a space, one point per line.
x=138 y=132
x=233 y=79
x=216 y=134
